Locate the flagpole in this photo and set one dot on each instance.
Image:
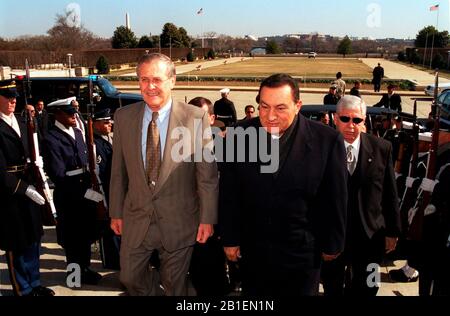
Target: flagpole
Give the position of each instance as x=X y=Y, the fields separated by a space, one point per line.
x=437 y=30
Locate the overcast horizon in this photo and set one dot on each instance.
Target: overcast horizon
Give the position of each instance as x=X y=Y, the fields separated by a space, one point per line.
x=401 y=19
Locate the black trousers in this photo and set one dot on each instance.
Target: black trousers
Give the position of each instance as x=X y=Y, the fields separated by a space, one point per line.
x=351 y=273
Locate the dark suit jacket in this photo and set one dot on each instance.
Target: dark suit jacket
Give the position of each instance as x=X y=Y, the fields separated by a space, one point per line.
x=20 y=222
x=377 y=195
x=295 y=215
x=394 y=103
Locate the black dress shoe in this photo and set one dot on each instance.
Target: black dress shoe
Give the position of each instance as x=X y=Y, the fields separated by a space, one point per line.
x=399 y=275
x=43 y=291
x=90 y=277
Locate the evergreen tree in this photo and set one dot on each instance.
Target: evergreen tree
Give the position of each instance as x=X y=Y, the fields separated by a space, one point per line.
x=124 y=38
x=345 y=47
x=273 y=48
x=102 y=65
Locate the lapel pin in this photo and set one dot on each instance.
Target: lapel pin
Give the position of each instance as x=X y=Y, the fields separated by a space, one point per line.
x=370 y=159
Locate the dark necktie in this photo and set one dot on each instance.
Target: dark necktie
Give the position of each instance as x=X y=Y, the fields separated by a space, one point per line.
x=351 y=160
x=153 y=152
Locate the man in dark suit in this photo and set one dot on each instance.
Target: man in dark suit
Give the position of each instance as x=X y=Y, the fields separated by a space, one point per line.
x=42 y=118
x=281 y=222
x=391 y=100
x=66 y=162
x=161 y=200
x=373 y=220
x=20 y=217
x=378 y=75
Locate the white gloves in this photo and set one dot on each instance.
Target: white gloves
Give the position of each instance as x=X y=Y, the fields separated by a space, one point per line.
x=39 y=162
x=34 y=195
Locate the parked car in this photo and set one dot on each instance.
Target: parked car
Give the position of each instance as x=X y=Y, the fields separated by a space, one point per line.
x=429 y=90
x=52 y=89
x=443 y=101
x=312 y=55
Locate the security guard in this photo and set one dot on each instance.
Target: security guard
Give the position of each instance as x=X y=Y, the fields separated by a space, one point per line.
x=20 y=222
x=109 y=242
x=66 y=157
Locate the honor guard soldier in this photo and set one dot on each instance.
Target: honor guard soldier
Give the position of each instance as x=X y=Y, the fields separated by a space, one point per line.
x=67 y=167
x=109 y=242
x=224 y=109
x=20 y=217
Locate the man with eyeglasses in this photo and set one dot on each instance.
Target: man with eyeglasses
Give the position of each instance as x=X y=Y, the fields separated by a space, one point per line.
x=161 y=200
x=373 y=220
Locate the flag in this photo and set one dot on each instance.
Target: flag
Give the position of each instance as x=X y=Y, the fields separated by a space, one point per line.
x=434 y=8
x=200 y=11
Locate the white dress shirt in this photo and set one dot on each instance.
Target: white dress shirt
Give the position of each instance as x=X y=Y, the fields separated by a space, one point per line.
x=11 y=121
x=355 y=150
x=163 y=126
x=69 y=130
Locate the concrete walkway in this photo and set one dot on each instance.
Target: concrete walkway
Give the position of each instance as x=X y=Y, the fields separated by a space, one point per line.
x=53 y=275
x=394 y=70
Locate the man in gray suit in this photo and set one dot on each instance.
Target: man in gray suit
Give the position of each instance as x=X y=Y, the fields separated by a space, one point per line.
x=160 y=201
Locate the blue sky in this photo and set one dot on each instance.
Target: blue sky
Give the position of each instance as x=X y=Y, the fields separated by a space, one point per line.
x=375 y=18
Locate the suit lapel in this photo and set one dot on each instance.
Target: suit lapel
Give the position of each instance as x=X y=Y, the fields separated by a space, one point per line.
x=300 y=147
x=365 y=158
x=176 y=119
x=137 y=130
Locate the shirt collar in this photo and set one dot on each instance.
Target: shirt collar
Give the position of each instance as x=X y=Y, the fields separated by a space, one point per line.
x=7 y=118
x=162 y=113
x=69 y=130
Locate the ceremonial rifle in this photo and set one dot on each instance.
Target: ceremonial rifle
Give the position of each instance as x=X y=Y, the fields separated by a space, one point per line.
x=417 y=214
x=48 y=210
x=102 y=207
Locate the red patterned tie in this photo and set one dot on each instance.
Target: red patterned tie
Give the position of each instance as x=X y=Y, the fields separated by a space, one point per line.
x=153 y=152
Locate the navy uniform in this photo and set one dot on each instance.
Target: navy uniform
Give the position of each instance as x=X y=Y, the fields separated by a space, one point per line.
x=67 y=160
x=224 y=109
x=109 y=242
x=20 y=219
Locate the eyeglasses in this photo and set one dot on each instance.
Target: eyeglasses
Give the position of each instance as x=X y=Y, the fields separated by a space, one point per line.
x=346 y=119
x=154 y=81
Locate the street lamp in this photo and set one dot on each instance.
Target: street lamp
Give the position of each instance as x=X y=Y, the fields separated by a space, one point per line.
x=70 y=63
x=448 y=59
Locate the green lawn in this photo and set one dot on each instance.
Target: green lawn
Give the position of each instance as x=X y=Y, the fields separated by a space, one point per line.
x=317 y=68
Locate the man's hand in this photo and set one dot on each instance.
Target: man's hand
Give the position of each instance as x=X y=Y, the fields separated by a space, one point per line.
x=327 y=257
x=233 y=253
x=391 y=243
x=204 y=232
x=34 y=195
x=116 y=226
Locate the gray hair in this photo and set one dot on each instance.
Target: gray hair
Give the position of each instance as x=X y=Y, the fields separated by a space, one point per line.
x=351 y=102
x=148 y=58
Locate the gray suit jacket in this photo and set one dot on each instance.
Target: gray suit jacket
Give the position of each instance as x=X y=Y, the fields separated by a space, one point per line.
x=186 y=192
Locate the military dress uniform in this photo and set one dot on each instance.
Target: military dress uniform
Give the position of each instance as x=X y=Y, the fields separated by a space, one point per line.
x=109 y=242
x=67 y=160
x=224 y=109
x=20 y=217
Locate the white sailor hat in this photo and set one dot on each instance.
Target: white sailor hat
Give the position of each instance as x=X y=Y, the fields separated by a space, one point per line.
x=64 y=105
